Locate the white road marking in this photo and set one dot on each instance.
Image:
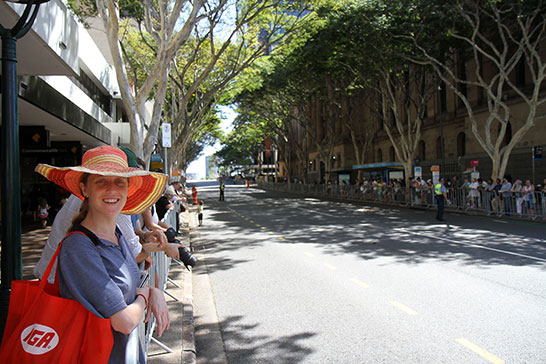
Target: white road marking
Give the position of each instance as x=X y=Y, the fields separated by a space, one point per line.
x=472 y=245
x=316 y=212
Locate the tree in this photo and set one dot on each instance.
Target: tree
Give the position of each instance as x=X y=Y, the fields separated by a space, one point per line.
x=207 y=68
x=168 y=24
x=241 y=146
x=360 y=50
x=504 y=37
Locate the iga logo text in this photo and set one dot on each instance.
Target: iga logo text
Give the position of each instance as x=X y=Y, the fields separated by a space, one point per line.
x=39 y=339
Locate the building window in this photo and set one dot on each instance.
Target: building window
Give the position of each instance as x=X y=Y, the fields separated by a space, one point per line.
x=461 y=144
x=379 y=155
x=392 y=156
x=422 y=150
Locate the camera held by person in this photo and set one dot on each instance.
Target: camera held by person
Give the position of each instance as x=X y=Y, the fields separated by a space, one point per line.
x=185 y=255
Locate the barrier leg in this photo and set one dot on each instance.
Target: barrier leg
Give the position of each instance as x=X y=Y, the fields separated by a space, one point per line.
x=160 y=344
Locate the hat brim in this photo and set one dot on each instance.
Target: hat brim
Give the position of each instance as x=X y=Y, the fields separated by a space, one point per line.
x=145 y=187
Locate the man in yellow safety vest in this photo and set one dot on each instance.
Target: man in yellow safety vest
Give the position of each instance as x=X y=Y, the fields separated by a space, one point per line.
x=441 y=197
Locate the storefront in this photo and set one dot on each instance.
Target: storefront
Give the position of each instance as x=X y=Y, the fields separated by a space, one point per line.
x=384 y=171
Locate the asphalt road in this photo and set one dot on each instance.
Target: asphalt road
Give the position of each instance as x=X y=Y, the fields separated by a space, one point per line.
x=296 y=280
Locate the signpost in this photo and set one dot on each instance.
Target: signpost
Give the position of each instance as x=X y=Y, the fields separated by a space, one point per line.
x=435 y=169
x=166 y=143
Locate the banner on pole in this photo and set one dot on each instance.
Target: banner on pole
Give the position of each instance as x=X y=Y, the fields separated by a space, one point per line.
x=166 y=135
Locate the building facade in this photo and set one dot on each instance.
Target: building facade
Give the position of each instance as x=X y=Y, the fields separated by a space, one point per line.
x=68 y=97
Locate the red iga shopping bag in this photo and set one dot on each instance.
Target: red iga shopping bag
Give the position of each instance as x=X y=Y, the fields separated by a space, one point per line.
x=45 y=328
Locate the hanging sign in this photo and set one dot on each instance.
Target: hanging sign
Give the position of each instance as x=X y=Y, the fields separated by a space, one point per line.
x=166 y=135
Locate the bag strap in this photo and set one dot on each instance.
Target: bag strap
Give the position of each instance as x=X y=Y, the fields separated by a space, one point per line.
x=77 y=229
x=43 y=281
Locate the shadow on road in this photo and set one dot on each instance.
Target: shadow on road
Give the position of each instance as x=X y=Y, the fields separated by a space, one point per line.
x=244 y=348
x=371 y=232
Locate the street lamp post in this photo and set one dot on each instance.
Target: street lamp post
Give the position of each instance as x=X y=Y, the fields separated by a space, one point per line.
x=11 y=191
x=442 y=107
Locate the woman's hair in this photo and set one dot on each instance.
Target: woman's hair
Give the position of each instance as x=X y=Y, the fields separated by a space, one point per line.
x=84 y=209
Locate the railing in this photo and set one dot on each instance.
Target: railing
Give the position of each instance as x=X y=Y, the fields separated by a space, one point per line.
x=159 y=276
x=505 y=204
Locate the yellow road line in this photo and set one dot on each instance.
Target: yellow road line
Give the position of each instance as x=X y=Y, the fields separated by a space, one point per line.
x=404 y=308
x=360 y=283
x=481 y=352
x=309 y=254
x=281 y=238
x=270 y=232
x=328 y=265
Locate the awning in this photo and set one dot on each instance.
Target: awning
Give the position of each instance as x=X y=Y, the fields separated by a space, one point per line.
x=376 y=166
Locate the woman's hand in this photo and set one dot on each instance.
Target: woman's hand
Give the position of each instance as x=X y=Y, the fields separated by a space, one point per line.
x=158 y=306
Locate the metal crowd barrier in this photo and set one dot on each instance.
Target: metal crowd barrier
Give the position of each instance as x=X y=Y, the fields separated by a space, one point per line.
x=507 y=204
x=159 y=276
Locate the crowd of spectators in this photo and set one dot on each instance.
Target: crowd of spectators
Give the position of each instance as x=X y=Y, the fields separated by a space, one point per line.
x=506 y=196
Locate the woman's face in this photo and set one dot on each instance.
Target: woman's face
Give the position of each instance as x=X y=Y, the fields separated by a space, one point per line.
x=107 y=194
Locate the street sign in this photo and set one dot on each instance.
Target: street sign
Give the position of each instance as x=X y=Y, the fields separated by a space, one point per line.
x=166 y=135
x=417 y=172
x=435 y=168
x=537 y=153
x=474 y=163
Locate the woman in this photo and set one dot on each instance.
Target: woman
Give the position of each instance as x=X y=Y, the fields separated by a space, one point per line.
x=474 y=194
x=529 y=198
x=104 y=277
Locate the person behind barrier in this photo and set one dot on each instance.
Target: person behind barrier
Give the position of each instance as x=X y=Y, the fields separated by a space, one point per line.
x=165 y=202
x=140 y=243
x=440 y=196
x=528 y=191
x=98 y=269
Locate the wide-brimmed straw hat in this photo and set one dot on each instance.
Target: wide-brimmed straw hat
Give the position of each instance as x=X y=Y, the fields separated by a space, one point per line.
x=144 y=187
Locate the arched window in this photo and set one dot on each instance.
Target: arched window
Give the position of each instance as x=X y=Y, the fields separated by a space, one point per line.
x=422 y=150
x=461 y=144
x=439 y=147
x=379 y=155
x=392 y=154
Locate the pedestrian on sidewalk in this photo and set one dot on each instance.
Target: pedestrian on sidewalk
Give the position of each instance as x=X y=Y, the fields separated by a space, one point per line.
x=200 y=212
x=441 y=198
x=104 y=277
x=43 y=211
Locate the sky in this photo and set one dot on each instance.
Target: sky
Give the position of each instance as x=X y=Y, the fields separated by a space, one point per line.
x=198 y=166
